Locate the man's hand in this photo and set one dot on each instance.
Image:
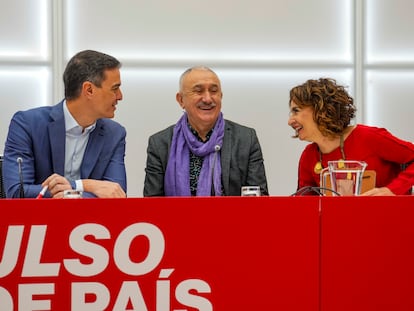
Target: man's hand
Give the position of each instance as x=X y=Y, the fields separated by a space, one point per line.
x=103 y=188
x=56 y=185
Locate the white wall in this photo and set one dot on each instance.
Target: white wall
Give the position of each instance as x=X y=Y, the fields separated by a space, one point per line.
x=260 y=49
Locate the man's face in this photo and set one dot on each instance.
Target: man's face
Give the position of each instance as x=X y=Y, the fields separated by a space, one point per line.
x=107 y=95
x=200 y=97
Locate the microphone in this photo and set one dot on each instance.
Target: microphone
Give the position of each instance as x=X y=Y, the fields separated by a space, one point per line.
x=216 y=150
x=21 y=189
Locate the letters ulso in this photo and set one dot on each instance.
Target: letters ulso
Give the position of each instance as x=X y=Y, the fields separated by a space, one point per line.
x=129 y=294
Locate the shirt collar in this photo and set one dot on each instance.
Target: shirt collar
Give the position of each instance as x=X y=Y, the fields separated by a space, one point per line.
x=71 y=125
x=195 y=133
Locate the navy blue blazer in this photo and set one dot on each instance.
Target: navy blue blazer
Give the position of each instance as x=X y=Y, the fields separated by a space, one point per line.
x=242 y=161
x=38 y=137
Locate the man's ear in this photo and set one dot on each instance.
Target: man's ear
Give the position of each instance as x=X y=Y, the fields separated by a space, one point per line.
x=87 y=88
x=179 y=99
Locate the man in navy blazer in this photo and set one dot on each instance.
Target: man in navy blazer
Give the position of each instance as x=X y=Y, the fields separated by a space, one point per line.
x=74 y=144
x=203 y=154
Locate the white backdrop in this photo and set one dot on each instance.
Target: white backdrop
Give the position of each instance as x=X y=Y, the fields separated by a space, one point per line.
x=260 y=49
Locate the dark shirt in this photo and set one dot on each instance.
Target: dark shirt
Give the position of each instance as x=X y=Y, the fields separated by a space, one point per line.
x=196 y=162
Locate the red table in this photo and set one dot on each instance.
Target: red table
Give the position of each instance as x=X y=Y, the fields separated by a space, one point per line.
x=368 y=254
x=160 y=254
x=231 y=253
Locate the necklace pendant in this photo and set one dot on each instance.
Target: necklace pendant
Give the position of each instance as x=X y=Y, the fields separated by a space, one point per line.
x=318 y=167
x=341 y=163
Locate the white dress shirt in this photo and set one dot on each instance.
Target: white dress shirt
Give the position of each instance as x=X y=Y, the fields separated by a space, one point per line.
x=76 y=140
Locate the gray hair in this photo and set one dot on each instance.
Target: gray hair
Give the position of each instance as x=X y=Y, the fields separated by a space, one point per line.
x=185 y=73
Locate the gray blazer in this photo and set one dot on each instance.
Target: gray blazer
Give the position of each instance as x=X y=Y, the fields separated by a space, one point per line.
x=241 y=160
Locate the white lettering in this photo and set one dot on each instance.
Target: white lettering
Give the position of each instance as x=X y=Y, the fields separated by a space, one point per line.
x=11 y=249
x=163 y=290
x=95 y=296
x=123 y=243
x=6 y=300
x=32 y=265
x=26 y=293
x=79 y=294
x=183 y=295
x=130 y=291
x=98 y=254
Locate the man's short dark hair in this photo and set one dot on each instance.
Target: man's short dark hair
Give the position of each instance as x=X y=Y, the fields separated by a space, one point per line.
x=86 y=65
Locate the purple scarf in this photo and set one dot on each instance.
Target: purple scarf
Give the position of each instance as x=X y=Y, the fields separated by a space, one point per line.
x=177 y=175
